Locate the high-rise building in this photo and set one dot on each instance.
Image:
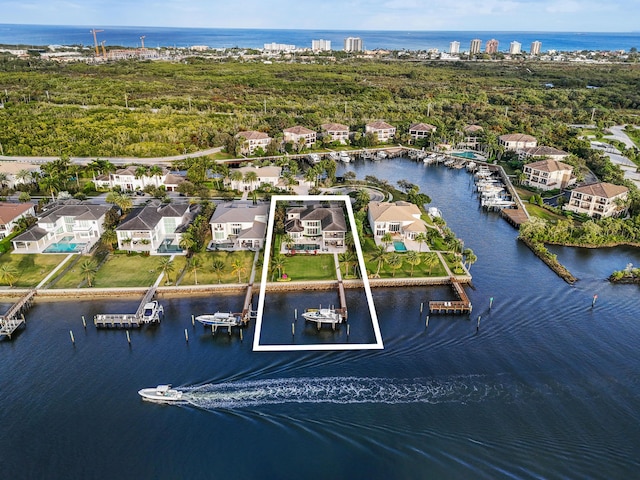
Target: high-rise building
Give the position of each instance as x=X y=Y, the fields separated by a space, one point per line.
x=353 y=44
x=535 y=48
x=454 y=47
x=274 y=47
x=476 y=43
x=515 y=48
x=492 y=46
x=321 y=45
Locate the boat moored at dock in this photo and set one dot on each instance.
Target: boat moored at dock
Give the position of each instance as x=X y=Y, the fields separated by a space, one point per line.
x=152 y=312
x=220 y=319
x=323 y=315
x=161 y=393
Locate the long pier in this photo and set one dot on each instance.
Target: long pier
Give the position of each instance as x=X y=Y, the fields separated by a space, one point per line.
x=127 y=320
x=14 y=317
x=461 y=306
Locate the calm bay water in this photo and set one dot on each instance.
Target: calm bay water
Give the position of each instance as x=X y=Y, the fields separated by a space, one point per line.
x=549 y=388
x=256 y=38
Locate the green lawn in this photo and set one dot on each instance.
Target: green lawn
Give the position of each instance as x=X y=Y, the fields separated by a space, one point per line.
x=304 y=267
x=29 y=269
x=122 y=270
x=205 y=274
x=420 y=270
x=72 y=278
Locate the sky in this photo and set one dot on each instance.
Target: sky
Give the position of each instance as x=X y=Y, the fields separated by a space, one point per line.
x=404 y=15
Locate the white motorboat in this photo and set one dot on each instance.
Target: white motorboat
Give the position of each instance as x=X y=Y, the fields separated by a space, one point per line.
x=161 y=393
x=381 y=154
x=335 y=156
x=344 y=156
x=314 y=158
x=151 y=312
x=322 y=315
x=220 y=319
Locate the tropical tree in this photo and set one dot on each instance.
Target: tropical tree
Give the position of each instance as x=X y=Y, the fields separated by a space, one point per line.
x=430 y=260
x=394 y=260
x=166 y=267
x=250 y=177
x=235 y=176
x=8 y=274
x=23 y=176
x=387 y=240
x=278 y=263
x=238 y=267
x=413 y=258
x=347 y=257
x=24 y=197
x=109 y=238
x=88 y=270
x=218 y=267
x=194 y=264
x=156 y=172
x=187 y=241
x=287 y=239
x=362 y=199
x=469 y=257
x=421 y=238
x=122 y=201
x=378 y=255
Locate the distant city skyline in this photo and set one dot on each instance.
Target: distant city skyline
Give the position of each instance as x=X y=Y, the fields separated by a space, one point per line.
x=403 y=15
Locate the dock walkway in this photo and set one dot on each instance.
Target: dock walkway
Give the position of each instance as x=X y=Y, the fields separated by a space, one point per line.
x=127 y=320
x=461 y=306
x=14 y=317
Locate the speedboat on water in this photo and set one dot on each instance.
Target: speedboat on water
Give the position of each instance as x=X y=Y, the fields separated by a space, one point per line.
x=220 y=319
x=344 y=156
x=161 y=393
x=152 y=311
x=322 y=315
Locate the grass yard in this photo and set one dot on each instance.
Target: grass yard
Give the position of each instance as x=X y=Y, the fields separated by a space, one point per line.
x=308 y=267
x=420 y=270
x=28 y=270
x=73 y=278
x=121 y=270
x=206 y=275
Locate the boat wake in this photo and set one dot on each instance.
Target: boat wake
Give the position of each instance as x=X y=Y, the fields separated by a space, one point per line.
x=344 y=390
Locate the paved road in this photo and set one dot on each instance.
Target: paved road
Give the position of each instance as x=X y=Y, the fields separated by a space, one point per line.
x=116 y=160
x=629 y=168
x=618 y=133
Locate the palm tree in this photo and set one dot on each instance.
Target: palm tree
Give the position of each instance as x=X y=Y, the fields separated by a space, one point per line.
x=250 y=177
x=278 y=263
x=194 y=264
x=3 y=179
x=413 y=258
x=166 y=267
x=387 y=240
x=287 y=239
x=23 y=176
x=8 y=274
x=109 y=238
x=218 y=268
x=348 y=257
x=88 y=269
x=121 y=200
x=378 y=255
x=394 y=260
x=430 y=260
x=469 y=257
x=235 y=176
x=140 y=171
x=239 y=268
x=156 y=172
x=421 y=238
x=187 y=241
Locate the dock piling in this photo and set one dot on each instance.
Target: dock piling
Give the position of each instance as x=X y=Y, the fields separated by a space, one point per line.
x=193 y=320
x=128 y=337
x=293 y=329
x=241 y=339
x=490 y=302
x=84 y=322
x=593 y=302
x=295 y=314
x=348 y=330
x=426 y=325
x=421 y=306
x=478 y=324
x=73 y=340
x=186 y=335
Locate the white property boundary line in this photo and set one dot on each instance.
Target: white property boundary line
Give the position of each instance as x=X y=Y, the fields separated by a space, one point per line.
x=257 y=347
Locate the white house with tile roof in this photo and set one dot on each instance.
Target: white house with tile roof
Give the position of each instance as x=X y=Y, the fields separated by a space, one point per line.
x=421 y=130
x=266 y=175
x=382 y=130
x=515 y=141
x=542 y=151
x=239 y=226
x=548 y=174
x=13 y=171
x=129 y=179
x=336 y=131
x=399 y=218
x=298 y=134
x=251 y=140
x=317 y=224
x=155 y=228
x=10 y=213
x=598 y=200
x=70 y=223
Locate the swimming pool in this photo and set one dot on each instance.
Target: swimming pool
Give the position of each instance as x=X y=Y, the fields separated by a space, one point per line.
x=305 y=246
x=65 y=245
x=470 y=155
x=399 y=246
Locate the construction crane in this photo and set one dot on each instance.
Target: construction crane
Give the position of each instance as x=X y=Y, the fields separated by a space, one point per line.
x=142 y=40
x=95 y=39
x=104 y=51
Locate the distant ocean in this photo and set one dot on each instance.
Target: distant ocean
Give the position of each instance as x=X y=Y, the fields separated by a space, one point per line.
x=40 y=35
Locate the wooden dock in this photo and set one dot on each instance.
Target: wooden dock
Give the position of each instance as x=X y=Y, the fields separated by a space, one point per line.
x=246 y=309
x=461 y=306
x=343 y=301
x=14 y=317
x=126 y=320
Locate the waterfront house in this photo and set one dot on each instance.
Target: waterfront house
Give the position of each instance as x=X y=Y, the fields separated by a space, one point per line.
x=598 y=200
x=336 y=131
x=66 y=227
x=239 y=226
x=269 y=175
x=541 y=151
x=11 y=213
x=383 y=131
x=317 y=227
x=155 y=228
x=421 y=130
x=515 y=141
x=548 y=175
x=400 y=219
x=299 y=135
x=251 y=140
